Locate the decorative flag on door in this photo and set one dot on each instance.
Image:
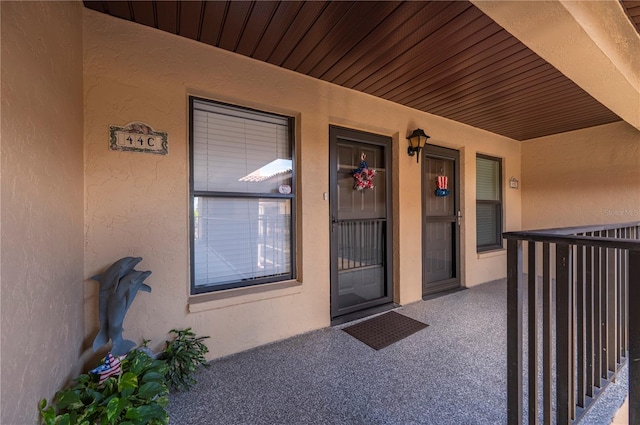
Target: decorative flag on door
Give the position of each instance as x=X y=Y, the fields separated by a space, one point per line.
x=441 y=182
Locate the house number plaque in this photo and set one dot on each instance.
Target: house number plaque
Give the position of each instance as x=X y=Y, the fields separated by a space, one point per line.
x=138 y=137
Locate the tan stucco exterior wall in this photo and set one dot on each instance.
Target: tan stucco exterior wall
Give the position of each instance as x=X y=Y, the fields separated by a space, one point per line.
x=584 y=177
x=42 y=232
x=137 y=204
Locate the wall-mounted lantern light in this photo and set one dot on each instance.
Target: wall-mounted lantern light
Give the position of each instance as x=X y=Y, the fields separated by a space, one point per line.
x=417 y=141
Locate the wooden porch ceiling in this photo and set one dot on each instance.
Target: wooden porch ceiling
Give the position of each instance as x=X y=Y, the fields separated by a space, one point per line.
x=442 y=57
x=633 y=11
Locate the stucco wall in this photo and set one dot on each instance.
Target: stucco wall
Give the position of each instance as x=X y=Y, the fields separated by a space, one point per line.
x=41 y=203
x=583 y=177
x=137 y=204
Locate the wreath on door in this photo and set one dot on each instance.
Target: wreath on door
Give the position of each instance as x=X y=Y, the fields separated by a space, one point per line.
x=363 y=175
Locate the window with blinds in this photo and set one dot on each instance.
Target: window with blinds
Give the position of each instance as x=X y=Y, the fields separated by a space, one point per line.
x=488 y=203
x=243 y=197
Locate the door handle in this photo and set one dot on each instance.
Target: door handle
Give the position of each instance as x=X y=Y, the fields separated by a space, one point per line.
x=459 y=217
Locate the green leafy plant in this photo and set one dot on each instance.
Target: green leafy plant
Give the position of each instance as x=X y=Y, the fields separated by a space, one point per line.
x=137 y=396
x=184 y=355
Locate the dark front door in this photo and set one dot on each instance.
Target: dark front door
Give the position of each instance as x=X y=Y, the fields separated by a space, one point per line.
x=441 y=225
x=360 y=221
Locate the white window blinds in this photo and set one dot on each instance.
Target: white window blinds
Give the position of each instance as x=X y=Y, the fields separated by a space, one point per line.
x=242 y=170
x=241 y=240
x=486 y=218
x=487 y=179
x=229 y=144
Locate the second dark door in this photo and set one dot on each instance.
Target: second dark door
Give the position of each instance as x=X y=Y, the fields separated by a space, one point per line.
x=441 y=223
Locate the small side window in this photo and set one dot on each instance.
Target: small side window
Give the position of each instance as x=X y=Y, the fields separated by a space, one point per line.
x=488 y=203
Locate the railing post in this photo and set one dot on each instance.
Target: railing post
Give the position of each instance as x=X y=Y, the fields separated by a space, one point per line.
x=563 y=334
x=634 y=337
x=514 y=332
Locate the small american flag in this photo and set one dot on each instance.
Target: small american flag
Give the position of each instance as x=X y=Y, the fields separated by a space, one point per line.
x=111 y=367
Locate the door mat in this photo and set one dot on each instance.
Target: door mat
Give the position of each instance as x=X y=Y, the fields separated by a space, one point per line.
x=384 y=330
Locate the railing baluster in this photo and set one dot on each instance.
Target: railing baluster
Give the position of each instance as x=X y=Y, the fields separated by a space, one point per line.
x=622 y=335
x=625 y=300
x=378 y=253
x=514 y=332
x=612 y=310
x=589 y=339
x=597 y=328
x=547 y=365
x=532 y=310
x=563 y=334
x=604 y=315
x=634 y=338
x=340 y=253
x=572 y=333
x=620 y=256
x=359 y=242
x=580 y=326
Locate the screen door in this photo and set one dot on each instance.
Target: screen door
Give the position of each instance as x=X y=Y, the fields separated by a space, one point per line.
x=360 y=222
x=441 y=225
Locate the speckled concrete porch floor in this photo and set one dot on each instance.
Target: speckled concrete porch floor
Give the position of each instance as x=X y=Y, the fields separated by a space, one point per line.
x=453 y=372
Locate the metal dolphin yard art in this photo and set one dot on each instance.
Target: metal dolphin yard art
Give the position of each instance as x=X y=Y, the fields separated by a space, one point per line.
x=119 y=285
x=108 y=282
x=119 y=302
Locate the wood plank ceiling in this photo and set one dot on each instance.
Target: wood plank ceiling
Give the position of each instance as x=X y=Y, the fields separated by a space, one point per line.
x=442 y=57
x=633 y=11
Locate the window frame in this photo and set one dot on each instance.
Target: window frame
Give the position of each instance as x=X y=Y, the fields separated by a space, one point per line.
x=497 y=243
x=292 y=197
